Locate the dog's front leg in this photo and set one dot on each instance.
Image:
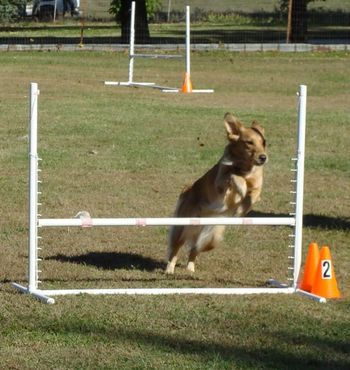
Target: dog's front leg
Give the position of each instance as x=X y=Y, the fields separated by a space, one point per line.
x=223 y=178
x=247 y=203
x=239 y=184
x=244 y=207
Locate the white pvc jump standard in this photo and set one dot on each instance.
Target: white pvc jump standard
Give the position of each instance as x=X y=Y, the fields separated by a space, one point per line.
x=133 y=55
x=35 y=222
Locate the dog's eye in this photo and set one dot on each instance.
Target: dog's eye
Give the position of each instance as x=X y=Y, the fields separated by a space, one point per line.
x=249 y=142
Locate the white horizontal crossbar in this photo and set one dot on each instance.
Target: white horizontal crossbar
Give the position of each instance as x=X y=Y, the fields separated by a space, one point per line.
x=167 y=221
x=165 y=89
x=167 y=291
x=156 y=56
x=143 y=84
x=112 y=83
x=117 y=83
x=203 y=91
x=194 y=91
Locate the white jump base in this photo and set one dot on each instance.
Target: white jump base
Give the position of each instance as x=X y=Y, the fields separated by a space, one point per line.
x=133 y=55
x=165 y=89
x=45 y=295
x=84 y=220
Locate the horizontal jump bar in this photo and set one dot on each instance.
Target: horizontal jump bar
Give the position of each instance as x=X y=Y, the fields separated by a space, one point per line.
x=203 y=91
x=165 y=89
x=117 y=83
x=165 y=291
x=143 y=84
x=166 y=221
x=44 y=295
x=155 y=56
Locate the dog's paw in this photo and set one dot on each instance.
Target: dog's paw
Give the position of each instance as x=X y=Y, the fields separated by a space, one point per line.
x=190 y=266
x=170 y=269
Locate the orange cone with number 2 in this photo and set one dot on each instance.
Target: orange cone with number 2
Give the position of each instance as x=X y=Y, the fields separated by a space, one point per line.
x=311 y=264
x=325 y=284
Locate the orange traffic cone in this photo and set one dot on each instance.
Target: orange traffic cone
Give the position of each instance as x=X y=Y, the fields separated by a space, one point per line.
x=325 y=284
x=312 y=261
x=187 y=85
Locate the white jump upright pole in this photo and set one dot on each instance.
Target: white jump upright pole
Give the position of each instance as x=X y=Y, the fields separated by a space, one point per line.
x=188 y=41
x=299 y=193
x=33 y=273
x=299 y=189
x=33 y=188
x=33 y=237
x=187 y=85
x=132 y=43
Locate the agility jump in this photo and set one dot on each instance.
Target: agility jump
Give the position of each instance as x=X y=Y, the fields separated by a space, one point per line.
x=187 y=85
x=295 y=221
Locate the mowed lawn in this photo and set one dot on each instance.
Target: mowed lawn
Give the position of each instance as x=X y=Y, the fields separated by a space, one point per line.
x=121 y=152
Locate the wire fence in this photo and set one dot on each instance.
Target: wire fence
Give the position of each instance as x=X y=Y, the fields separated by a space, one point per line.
x=212 y=22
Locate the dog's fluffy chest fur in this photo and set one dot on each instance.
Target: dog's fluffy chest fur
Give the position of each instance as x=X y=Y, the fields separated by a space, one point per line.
x=226 y=197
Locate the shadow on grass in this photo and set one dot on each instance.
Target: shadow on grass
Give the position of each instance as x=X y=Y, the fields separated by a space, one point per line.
x=131 y=261
x=112 y=261
x=315 y=221
x=226 y=354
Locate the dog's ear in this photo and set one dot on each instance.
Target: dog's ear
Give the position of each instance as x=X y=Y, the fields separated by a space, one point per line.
x=256 y=126
x=233 y=127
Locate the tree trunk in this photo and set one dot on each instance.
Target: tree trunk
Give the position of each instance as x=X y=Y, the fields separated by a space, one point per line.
x=298 y=22
x=142 y=35
x=289 y=21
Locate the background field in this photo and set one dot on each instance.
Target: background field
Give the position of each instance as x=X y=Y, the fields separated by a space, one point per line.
x=128 y=152
x=223 y=21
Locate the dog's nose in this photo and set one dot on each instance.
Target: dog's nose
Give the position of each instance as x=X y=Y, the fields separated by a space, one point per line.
x=262 y=158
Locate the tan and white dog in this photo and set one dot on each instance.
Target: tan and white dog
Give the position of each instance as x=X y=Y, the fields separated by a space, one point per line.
x=230 y=188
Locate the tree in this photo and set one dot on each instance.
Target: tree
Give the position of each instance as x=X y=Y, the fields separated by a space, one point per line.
x=141 y=23
x=144 y=10
x=297 y=19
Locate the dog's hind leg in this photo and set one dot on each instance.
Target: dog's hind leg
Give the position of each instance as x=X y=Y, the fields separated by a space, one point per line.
x=192 y=258
x=175 y=242
x=208 y=239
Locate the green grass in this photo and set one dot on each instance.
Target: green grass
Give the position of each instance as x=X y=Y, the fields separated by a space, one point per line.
x=128 y=152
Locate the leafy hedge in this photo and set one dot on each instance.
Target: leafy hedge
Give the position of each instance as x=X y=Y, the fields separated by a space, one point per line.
x=152 y=7
x=12 y=10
